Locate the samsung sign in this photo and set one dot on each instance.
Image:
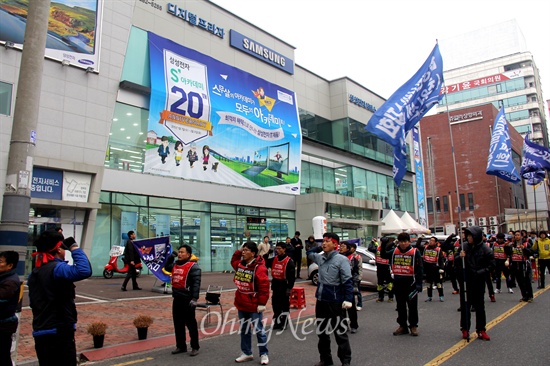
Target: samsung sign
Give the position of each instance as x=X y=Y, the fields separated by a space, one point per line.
x=261 y=52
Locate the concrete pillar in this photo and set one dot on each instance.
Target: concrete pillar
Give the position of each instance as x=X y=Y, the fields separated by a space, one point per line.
x=14 y=221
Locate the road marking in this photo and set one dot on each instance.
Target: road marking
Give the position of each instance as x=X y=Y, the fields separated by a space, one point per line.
x=134 y=361
x=94 y=299
x=463 y=343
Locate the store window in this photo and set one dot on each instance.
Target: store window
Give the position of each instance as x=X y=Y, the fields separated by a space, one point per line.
x=213 y=230
x=127 y=139
x=462 y=202
x=470 y=201
x=430 y=204
x=5 y=98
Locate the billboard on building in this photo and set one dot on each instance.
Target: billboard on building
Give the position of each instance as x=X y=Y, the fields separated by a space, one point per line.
x=74 y=29
x=212 y=122
x=419 y=170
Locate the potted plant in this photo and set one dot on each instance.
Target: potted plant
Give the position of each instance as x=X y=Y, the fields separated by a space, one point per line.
x=142 y=323
x=97 y=330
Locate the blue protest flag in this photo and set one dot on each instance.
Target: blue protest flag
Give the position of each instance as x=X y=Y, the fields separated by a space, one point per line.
x=404 y=109
x=500 y=161
x=536 y=160
x=154 y=252
x=535 y=177
x=399 y=164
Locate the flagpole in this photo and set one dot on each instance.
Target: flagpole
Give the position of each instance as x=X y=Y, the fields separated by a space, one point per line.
x=535 y=199
x=464 y=306
x=496 y=178
x=454 y=166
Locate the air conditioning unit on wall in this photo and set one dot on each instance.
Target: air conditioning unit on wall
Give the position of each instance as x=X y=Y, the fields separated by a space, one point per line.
x=493 y=230
x=482 y=221
x=462 y=224
x=470 y=221
x=493 y=220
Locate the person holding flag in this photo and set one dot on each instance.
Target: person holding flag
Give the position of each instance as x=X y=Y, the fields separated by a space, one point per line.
x=475 y=259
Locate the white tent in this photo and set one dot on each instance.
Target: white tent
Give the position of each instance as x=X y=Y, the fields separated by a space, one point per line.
x=414 y=227
x=393 y=224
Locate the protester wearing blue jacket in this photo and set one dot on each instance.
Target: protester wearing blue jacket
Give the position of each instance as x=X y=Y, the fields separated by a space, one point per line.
x=52 y=294
x=334 y=295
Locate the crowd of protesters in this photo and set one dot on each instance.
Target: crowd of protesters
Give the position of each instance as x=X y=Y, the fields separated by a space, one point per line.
x=472 y=263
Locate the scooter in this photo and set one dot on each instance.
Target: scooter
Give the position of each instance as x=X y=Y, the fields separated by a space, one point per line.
x=112 y=266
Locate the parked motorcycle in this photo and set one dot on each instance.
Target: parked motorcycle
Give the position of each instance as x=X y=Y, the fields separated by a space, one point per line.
x=112 y=266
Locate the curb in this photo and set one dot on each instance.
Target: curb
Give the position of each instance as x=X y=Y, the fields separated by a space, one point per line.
x=170 y=340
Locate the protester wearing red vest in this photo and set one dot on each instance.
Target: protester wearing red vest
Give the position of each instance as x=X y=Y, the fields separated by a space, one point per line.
x=250 y=299
x=520 y=265
x=383 y=274
x=451 y=249
x=346 y=249
x=283 y=276
x=433 y=268
x=406 y=265
x=186 y=284
x=501 y=251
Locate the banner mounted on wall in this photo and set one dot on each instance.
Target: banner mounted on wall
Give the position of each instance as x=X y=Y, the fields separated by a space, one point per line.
x=74 y=30
x=209 y=121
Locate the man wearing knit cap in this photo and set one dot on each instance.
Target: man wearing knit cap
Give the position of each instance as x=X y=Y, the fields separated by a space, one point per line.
x=51 y=296
x=334 y=296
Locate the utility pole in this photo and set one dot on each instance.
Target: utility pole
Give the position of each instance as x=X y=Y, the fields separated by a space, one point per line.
x=14 y=222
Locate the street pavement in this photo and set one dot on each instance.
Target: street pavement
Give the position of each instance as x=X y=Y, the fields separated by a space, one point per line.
x=519 y=331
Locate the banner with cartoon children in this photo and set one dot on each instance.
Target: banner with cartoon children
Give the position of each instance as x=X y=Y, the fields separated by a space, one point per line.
x=209 y=121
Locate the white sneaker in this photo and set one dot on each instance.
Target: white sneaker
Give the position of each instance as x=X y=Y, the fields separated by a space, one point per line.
x=510 y=291
x=497 y=291
x=244 y=358
x=264 y=360
x=359 y=308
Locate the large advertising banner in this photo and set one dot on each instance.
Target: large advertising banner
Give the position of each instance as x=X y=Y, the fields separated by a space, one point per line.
x=74 y=29
x=212 y=122
x=420 y=192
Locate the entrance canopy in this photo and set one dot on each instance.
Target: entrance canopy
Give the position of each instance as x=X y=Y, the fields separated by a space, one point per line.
x=414 y=227
x=393 y=224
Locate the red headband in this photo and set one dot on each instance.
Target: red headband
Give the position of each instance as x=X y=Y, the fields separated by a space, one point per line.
x=45 y=257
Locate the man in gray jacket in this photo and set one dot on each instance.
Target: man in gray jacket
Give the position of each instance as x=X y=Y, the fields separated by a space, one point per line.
x=334 y=295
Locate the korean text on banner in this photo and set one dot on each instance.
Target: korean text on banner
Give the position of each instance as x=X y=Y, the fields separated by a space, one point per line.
x=500 y=161
x=536 y=161
x=398 y=115
x=154 y=252
x=212 y=122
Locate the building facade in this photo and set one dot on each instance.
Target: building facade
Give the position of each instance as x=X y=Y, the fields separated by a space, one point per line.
x=482 y=199
x=106 y=162
x=493 y=65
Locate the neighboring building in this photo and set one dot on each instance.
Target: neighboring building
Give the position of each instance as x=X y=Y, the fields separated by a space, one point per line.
x=493 y=65
x=484 y=200
x=98 y=169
